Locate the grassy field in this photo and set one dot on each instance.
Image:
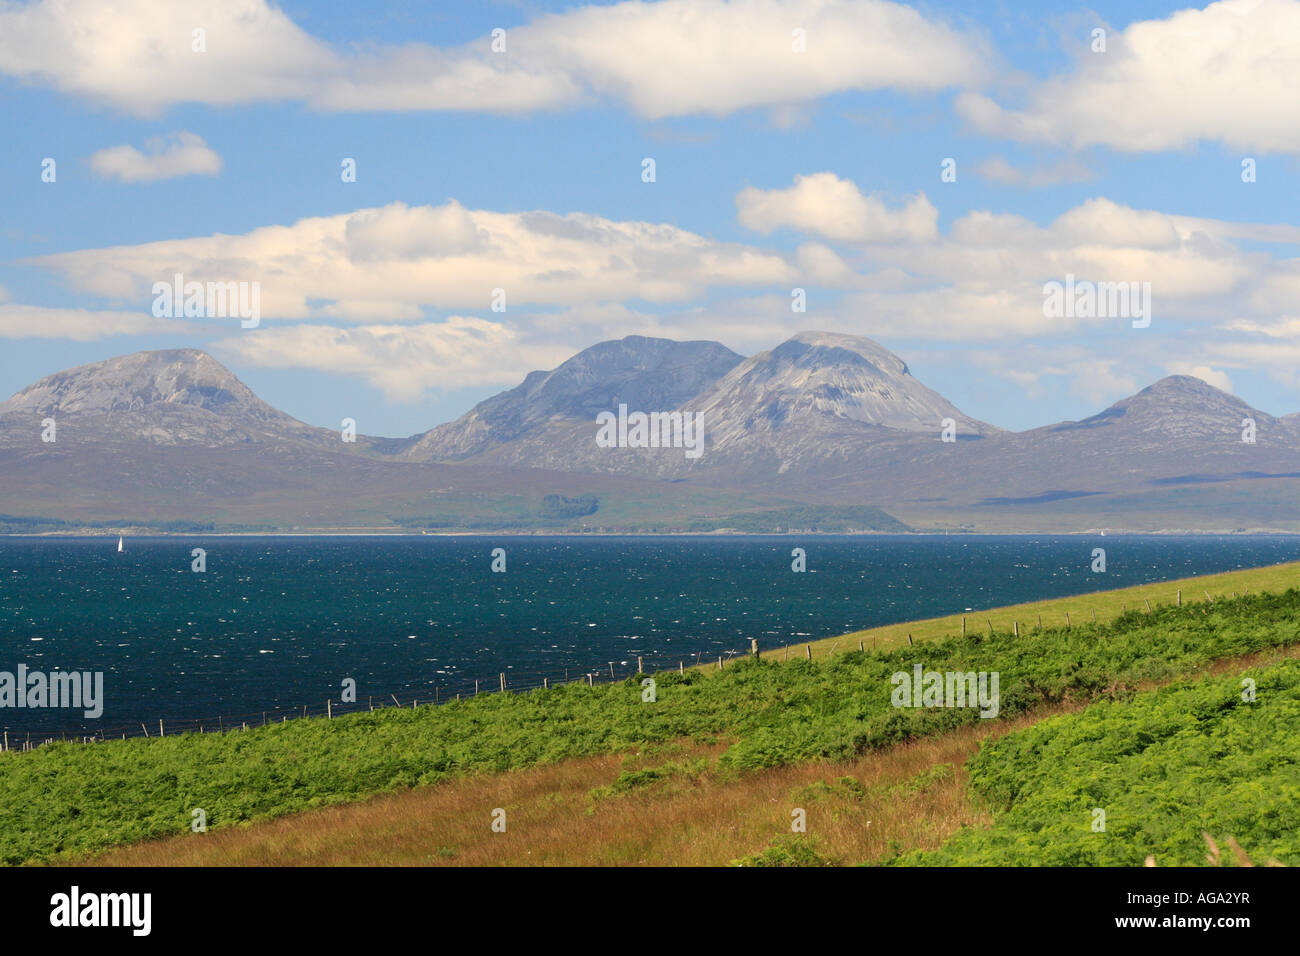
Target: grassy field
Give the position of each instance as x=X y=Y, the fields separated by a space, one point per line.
x=68 y=799
x=65 y=800
x=662 y=805
x=1105 y=605
x=1165 y=767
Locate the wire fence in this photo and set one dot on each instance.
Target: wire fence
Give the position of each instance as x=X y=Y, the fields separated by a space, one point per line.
x=412 y=695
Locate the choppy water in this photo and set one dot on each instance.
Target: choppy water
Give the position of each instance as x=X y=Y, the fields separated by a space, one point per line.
x=280 y=622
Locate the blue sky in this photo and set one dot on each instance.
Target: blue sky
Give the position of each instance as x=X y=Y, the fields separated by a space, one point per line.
x=1115 y=165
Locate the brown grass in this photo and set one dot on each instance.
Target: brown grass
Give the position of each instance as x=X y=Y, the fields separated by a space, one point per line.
x=553 y=818
x=699 y=816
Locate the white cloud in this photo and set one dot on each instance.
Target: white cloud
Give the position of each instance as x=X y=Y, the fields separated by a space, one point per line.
x=444 y=257
x=181 y=154
x=403 y=361
x=574 y=279
x=1205 y=373
x=1223 y=74
x=80 y=325
x=825 y=205
x=669 y=58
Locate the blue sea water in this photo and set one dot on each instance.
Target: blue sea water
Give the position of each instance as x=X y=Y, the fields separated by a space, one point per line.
x=277 y=623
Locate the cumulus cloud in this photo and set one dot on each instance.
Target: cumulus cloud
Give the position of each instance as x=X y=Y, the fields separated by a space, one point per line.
x=667 y=58
x=984 y=279
x=573 y=279
x=1223 y=74
x=825 y=205
x=442 y=257
x=1205 y=373
x=181 y=154
x=403 y=361
x=19 y=321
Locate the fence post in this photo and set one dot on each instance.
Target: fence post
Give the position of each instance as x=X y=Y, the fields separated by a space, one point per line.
x=909 y=640
x=611 y=670
x=753 y=646
x=160 y=727
x=639 y=668
x=963 y=625
x=1015 y=627
x=859 y=645
x=503 y=682
x=808 y=650
x=1148 y=606
x=329 y=709
x=546 y=684
x=1067 y=618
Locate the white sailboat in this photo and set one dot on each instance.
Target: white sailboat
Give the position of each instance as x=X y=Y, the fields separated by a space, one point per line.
x=119 y=543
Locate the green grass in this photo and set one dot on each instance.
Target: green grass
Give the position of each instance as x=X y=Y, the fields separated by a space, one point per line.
x=1105 y=605
x=1165 y=767
x=72 y=798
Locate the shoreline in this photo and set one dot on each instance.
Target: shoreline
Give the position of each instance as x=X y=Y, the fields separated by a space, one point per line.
x=375 y=533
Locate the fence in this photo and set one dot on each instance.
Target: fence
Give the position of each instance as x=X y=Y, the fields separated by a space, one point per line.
x=440 y=693
x=411 y=695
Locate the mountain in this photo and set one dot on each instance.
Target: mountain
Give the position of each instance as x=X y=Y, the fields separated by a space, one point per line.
x=818 y=400
x=169 y=397
x=173 y=439
x=646 y=373
x=821 y=375
x=814 y=398
x=1179 y=409
x=1171 y=456
x=824 y=431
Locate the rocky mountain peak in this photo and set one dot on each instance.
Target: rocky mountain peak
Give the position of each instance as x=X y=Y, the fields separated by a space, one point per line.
x=644 y=373
x=134 y=382
x=826 y=376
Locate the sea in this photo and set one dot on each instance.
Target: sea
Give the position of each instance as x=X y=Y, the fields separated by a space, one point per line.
x=275 y=626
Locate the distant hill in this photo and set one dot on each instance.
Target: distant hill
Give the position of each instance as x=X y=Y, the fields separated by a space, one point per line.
x=824 y=432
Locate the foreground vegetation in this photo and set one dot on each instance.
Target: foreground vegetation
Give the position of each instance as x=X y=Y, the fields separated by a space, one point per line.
x=1165 y=767
x=663 y=804
x=1054 y=612
x=72 y=798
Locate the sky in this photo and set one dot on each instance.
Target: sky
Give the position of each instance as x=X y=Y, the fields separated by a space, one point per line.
x=919 y=172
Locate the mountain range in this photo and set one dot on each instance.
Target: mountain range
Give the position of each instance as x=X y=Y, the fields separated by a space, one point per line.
x=824 y=432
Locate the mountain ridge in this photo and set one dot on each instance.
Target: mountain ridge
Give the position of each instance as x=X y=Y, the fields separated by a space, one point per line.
x=822 y=421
